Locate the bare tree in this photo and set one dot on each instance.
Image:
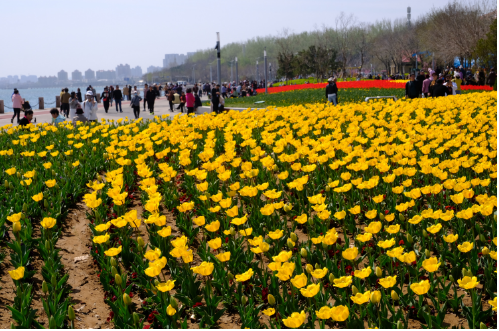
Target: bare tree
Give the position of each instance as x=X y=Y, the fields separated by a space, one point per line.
x=342 y=38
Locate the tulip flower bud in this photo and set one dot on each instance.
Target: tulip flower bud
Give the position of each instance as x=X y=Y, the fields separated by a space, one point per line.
x=208 y=195
x=23 y=216
x=18 y=175
x=156 y=282
x=230 y=276
x=485 y=250
x=483 y=326
x=331 y=278
x=311 y=221
x=303 y=253
x=53 y=173
x=324 y=245
x=54 y=281
x=355 y=290
x=427 y=253
x=140 y=241
x=136 y=318
x=16 y=227
x=329 y=180
x=45 y=203
x=375 y=297
x=25 y=207
x=117 y=279
x=382 y=217
x=173 y=303
x=328 y=189
x=11 y=186
x=244 y=300
x=293 y=237
x=127 y=300
x=410 y=240
x=45 y=287
x=425 y=234
x=114 y=272
x=401 y=217
x=290 y=243
x=378 y=272
x=309 y=268
x=52 y=324
x=6 y=184
x=400 y=325
x=35 y=176
x=482 y=238
x=71 y=313
x=232 y=231
x=275 y=168
x=47 y=245
x=394 y=295
x=271 y=299
x=317 y=266
x=112 y=260
x=451 y=278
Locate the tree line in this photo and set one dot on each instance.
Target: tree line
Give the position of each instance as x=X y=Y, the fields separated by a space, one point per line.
x=465 y=29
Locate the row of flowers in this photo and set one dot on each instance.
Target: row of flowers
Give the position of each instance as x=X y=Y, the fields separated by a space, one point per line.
x=363 y=84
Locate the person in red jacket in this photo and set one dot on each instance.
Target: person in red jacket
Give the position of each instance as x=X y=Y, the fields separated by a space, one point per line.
x=189 y=101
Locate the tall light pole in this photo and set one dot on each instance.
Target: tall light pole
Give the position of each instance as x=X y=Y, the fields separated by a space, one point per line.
x=270 y=73
x=257 y=76
x=219 y=73
x=237 y=73
x=265 y=65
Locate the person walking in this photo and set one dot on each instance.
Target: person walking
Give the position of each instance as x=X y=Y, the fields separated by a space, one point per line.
x=412 y=88
x=95 y=93
x=426 y=86
x=440 y=90
x=130 y=92
x=90 y=107
x=481 y=77
x=17 y=104
x=73 y=105
x=125 y=92
x=105 y=98
x=215 y=98
x=190 y=101
x=458 y=81
x=491 y=78
x=182 y=102
x=118 y=96
x=146 y=88
x=65 y=103
x=78 y=95
x=111 y=93
x=171 y=98
x=135 y=104
x=151 y=98
x=332 y=91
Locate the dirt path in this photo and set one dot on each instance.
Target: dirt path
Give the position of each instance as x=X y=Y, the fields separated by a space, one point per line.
x=7 y=293
x=87 y=292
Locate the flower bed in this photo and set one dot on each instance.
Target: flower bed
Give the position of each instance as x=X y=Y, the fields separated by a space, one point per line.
x=380 y=84
x=362 y=213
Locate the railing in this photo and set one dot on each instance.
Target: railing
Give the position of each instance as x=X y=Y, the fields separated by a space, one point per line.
x=382 y=97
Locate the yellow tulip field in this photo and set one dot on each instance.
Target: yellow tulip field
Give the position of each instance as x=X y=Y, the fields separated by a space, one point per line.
x=372 y=215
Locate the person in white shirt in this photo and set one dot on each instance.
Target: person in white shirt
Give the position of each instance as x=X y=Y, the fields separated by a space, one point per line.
x=90 y=107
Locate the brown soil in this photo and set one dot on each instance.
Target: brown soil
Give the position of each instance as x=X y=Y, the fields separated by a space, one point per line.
x=8 y=293
x=87 y=292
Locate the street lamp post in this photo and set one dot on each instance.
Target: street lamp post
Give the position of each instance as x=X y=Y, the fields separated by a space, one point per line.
x=257 y=76
x=237 y=73
x=219 y=73
x=265 y=65
x=270 y=71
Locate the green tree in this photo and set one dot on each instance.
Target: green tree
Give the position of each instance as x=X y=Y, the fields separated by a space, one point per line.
x=486 y=48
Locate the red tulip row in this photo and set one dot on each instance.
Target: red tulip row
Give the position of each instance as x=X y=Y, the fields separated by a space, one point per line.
x=359 y=85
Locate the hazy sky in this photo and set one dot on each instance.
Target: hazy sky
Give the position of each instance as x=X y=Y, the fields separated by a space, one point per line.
x=43 y=37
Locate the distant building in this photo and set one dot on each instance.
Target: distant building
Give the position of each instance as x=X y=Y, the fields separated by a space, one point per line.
x=47 y=80
x=173 y=60
x=90 y=74
x=62 y=76
x=76 y=75
x=105 y=74
x=152 y=69
x=136 y=72
x=123 y=71
x=28 y=79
